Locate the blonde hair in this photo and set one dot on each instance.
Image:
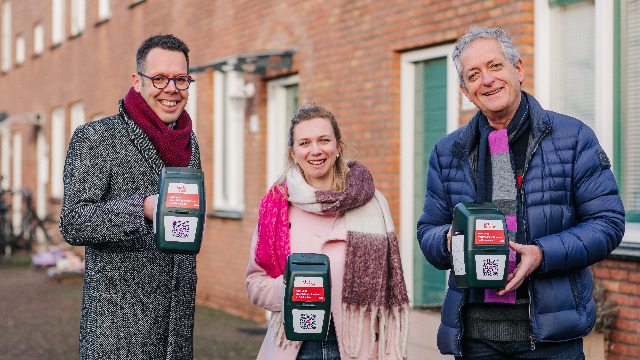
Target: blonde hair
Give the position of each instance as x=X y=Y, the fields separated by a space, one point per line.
x=310 y=112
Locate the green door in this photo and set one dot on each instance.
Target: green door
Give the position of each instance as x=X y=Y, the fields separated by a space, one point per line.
x=431 y=125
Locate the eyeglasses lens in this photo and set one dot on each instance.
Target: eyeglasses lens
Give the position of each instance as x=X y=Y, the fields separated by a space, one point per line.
x=161 y=81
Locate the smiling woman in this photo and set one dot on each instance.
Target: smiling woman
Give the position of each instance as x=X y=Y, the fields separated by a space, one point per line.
x=315 y=150
x=324 y=205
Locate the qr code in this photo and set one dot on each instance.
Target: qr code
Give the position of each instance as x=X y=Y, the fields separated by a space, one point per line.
x=180 y=229
x=308 y=321
x=490 y=267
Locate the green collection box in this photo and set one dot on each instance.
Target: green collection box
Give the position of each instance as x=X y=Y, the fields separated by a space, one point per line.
x=479 y=246
x=180 y=210
x=307 y=297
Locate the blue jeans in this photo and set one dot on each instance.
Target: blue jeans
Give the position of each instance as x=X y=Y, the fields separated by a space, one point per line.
x=321 y=349
x=475 y=349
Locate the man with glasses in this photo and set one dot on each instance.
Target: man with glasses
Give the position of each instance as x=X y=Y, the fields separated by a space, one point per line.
x=138 y=303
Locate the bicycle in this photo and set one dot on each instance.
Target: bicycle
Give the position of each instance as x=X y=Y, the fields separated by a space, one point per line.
x=27 y=237
x=7 y=238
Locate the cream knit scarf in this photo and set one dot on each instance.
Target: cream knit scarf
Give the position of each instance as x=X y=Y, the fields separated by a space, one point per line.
x=373 y=278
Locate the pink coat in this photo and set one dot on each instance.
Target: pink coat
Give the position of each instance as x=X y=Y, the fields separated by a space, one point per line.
x=309 y=233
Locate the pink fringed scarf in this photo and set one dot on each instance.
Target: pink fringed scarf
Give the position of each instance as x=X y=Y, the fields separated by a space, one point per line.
x=174 y=147
x=373 y=279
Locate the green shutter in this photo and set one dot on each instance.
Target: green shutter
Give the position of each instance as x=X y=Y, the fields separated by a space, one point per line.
x=431 y=125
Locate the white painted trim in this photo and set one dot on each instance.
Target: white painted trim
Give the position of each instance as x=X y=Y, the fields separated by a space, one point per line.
x=192 y=105
x=277 y=125
x=228 y=151
x=407 y=129
x=604 y=32
x=16 y=204
x=542 y=53
x=58 y=144
x=42 y=151
x=5 y=158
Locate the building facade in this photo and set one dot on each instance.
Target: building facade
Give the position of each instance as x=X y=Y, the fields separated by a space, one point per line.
x=384 y=68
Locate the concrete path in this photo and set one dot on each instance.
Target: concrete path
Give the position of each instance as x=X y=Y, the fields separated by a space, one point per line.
x=423 y=327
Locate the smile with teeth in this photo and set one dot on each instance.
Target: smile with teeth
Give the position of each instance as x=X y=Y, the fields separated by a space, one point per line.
x=317 y=162
x=168 y=103
x=494 y=92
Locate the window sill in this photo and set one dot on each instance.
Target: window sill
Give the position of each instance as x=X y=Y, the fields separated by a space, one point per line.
x=627 y=251
x=136 y=4
x=225 y=214
x=102 y=22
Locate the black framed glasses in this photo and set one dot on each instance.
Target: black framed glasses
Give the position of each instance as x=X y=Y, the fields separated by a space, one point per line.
x=160 y=81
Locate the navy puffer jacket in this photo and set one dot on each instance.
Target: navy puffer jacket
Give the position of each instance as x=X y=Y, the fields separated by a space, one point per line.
x=572 y=211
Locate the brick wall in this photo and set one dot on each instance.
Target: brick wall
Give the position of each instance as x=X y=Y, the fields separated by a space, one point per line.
x=347 y=59
x=622 y=282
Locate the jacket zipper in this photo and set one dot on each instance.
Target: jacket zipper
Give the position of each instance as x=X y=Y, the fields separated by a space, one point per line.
x=460 y=317
x=524 y=223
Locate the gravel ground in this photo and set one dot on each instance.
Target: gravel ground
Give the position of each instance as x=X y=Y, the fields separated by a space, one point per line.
x=40 y=319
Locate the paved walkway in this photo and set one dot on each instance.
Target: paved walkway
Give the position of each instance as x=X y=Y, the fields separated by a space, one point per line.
x=423 y=327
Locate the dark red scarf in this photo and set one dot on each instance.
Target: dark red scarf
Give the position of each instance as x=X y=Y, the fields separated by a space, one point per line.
x=174 y=147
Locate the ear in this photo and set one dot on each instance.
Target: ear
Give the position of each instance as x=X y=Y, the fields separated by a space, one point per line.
x=465 y=92
x=292 y=154
x=520 y=68
x=137 y=82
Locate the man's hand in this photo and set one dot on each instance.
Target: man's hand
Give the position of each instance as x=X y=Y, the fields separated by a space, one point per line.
x=530 y=259
x=148 y=205
x=449 y=238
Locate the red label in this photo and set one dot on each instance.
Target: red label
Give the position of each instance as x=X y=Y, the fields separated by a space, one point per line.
x=183 y=200
x=490 y=237
x=308 y=294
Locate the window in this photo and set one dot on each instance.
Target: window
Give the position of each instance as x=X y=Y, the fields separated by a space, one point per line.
x=627 y=163
x=58 y=152
x=57 y=21
x=573 y=61
x=5 y=158
x=6 y=36
x=20 y=49
x=77 y=16
x=614 y=117
x=282 y=105
x=104 y=10
x=192 y=105
x=77 y=117
x=38 y=38
x=228 y=141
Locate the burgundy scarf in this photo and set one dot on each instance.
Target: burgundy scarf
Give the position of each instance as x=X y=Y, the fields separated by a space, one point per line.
x=174 y=147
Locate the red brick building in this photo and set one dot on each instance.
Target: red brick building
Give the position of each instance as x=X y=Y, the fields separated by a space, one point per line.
x=383 y=67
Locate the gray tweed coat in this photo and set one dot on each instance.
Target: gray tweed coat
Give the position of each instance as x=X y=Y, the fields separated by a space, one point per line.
x=137 y=303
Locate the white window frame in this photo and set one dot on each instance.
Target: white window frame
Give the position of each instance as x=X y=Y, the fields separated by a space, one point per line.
x=77 y=117
x=20 y=49
x=407 y=132
x=6 y=36
x=78 y=16
x=192 y=105
x=104 y=10
x=58 y=32
x=277 y=126
x=38 y=38
x=42 y=149
x=58 y=153
x=228 y=143
x=5 y=157
x=604 y=81
x=16 y=203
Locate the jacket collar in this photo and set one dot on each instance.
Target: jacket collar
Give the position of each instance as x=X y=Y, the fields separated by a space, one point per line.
x=469 y=135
